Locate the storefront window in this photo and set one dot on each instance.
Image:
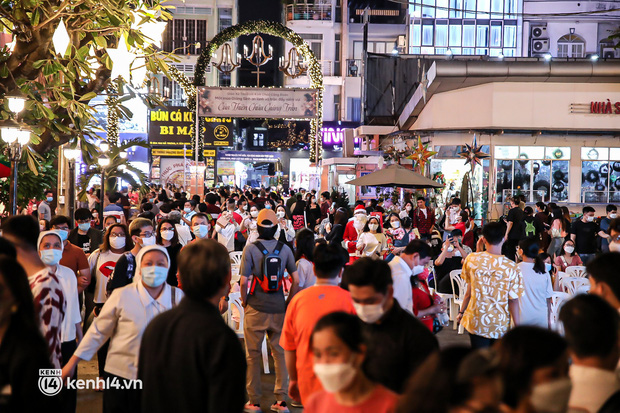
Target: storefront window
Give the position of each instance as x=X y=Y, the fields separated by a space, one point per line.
x=427 y=35
x=469 y=35
x=539 y=173
x=600 y=175
x=455 y=35
x=441 y=35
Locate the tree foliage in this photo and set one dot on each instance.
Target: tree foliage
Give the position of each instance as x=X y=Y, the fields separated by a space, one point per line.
x=59 y=88
x=31 y=183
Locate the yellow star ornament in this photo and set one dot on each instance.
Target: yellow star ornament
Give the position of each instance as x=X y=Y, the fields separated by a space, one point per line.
x=421 y=155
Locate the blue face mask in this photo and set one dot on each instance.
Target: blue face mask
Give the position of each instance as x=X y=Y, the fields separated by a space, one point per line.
x=200 y=231
x=51 y=257
x=187 y=210
x=154 y=276
x=268 y=206
x=84 y=227
x=547 y=267
x=50 y=198
x=64 y=234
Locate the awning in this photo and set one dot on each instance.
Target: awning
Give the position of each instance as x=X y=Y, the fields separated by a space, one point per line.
x=395 y=176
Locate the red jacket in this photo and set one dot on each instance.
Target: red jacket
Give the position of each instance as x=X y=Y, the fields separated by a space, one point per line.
x=350 y=237
x=424 y=224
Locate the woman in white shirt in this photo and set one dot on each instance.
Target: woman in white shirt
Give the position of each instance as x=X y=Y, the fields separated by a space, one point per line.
x=122 y=320
x=249 y=224
x=535 y=303
x=285 y=230
x=304 y=258
x=372 y=242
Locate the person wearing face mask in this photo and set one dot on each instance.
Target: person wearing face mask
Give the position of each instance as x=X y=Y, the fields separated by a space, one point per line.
x=339 y=350
x=534 y=366
x=334 y=232
x=372 y=242
x=591 y=330
x=186 y=343
x=326 y=203
x=189 y=210
x=44 y=225
x=84 y=236
x=50 y=251
x=424 y=218
x=122 y=320
x=108 y=221
x=73 y=257
x=354 y=229
x=455 y=380
x=583 y=232
x=143 y=235
x=407 y=211
x=535 y=303
x=226 y=227
x=410 y=262
x=44 y=210
x=285 y=232
x=167 y=237
x=453 y=252
x=398 y=342
x=200 y=226
x=241 y=212
x=249 y=225
x=102 y=262
x=568 y=257
x=96 y=221
x=612 y=213
x=398 y=236
x=308 y=306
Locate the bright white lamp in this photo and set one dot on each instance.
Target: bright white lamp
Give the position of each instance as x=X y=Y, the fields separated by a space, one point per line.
x=123 y=154
x=61 y=39
x=104 y=146
x=71 y=154
x=17 y=101
x=12 y=131
x=104 y=161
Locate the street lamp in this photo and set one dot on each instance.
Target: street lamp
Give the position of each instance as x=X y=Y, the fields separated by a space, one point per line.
x=71 y=155
x=16 y=135
x=16 y=100
x=104 y=146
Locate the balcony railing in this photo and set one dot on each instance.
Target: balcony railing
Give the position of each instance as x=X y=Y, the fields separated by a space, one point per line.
x=321 y=12
x=354 y=67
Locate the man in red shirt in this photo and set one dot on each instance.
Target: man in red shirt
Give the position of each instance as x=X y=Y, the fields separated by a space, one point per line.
x=306 y=308
x=423 y=219
x=325 y=204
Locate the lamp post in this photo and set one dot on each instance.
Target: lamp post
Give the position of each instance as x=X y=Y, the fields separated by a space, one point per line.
x=16 y=135
x=103 y=161
x=71 y=155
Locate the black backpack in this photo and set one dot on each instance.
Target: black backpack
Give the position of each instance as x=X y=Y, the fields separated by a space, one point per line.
x=272 y=274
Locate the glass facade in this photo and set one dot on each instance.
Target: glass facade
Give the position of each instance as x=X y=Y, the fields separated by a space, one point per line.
x=468 y=27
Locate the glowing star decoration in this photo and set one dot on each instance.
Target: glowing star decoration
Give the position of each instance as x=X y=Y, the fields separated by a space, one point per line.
x=61 y=39
x=421 y=155
x=121 y=60
x=473 y=154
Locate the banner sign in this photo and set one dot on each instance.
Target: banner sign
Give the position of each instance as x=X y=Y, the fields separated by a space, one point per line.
x=219 y=132
x=268 y=103
x=170 y=126
x=249 y=156
x=178 y=153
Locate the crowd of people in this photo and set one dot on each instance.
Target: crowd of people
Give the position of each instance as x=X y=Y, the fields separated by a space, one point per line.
x=348 y=298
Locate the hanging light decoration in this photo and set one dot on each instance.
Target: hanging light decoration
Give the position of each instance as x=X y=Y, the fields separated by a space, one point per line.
x=226 y=64
x=121 y=60
x=61 y=39
x=294 y=67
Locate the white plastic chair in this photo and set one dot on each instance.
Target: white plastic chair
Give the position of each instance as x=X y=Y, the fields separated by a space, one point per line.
x=575 y=285
x=237 y=325
x=455 y=277
x=576 y=271
x=235 y=277
x=558 y=277
x=235 y=257
x=557 y=300
x=446 y=298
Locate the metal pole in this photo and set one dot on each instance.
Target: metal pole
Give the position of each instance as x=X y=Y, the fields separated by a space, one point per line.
x=197 y=129
x=14 y=186
x=72 y=192
x=364 y=59
x=102 y=194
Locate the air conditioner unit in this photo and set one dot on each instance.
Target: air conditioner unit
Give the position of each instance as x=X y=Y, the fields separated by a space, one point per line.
x=540 y=45
x=609 y=52
x=539 y=32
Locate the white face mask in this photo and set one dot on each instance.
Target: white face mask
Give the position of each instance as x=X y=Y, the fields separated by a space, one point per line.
x=418 y=269
x=551 y=397
x=334 y=377
x=254 y=213
x=154 y=276
x=590 y=218
x=148 y=241
x=167 y=234
x=117 y=242
x=369 y=313
x=450 y=248
x=281 y=214
x=408 y=207
x=613 y=216
x=51 y=257
x=395 y=224
x=373 y=227
x=200 y=231
x=614 y=247
x=570 y=249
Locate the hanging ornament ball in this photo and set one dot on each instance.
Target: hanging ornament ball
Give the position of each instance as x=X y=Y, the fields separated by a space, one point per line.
x=600 y=187
x=506 y=165
x=546 y=162
x=616 y=166
x=536 y=168
x=558 y=175
x=604 y=170
x=617 y=184
x=591 y=176
x=558 y=186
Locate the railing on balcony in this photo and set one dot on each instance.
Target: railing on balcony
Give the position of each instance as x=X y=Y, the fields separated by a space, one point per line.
x=309 y=12
x=327 y=67
x=354 y=67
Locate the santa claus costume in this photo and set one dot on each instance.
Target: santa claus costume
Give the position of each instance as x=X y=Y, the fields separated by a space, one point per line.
x=353 y=230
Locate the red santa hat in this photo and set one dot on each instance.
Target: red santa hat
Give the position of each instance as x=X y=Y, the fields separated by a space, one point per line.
x=360 y=209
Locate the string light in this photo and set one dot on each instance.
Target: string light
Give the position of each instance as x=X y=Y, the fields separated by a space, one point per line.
x=111 y=102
